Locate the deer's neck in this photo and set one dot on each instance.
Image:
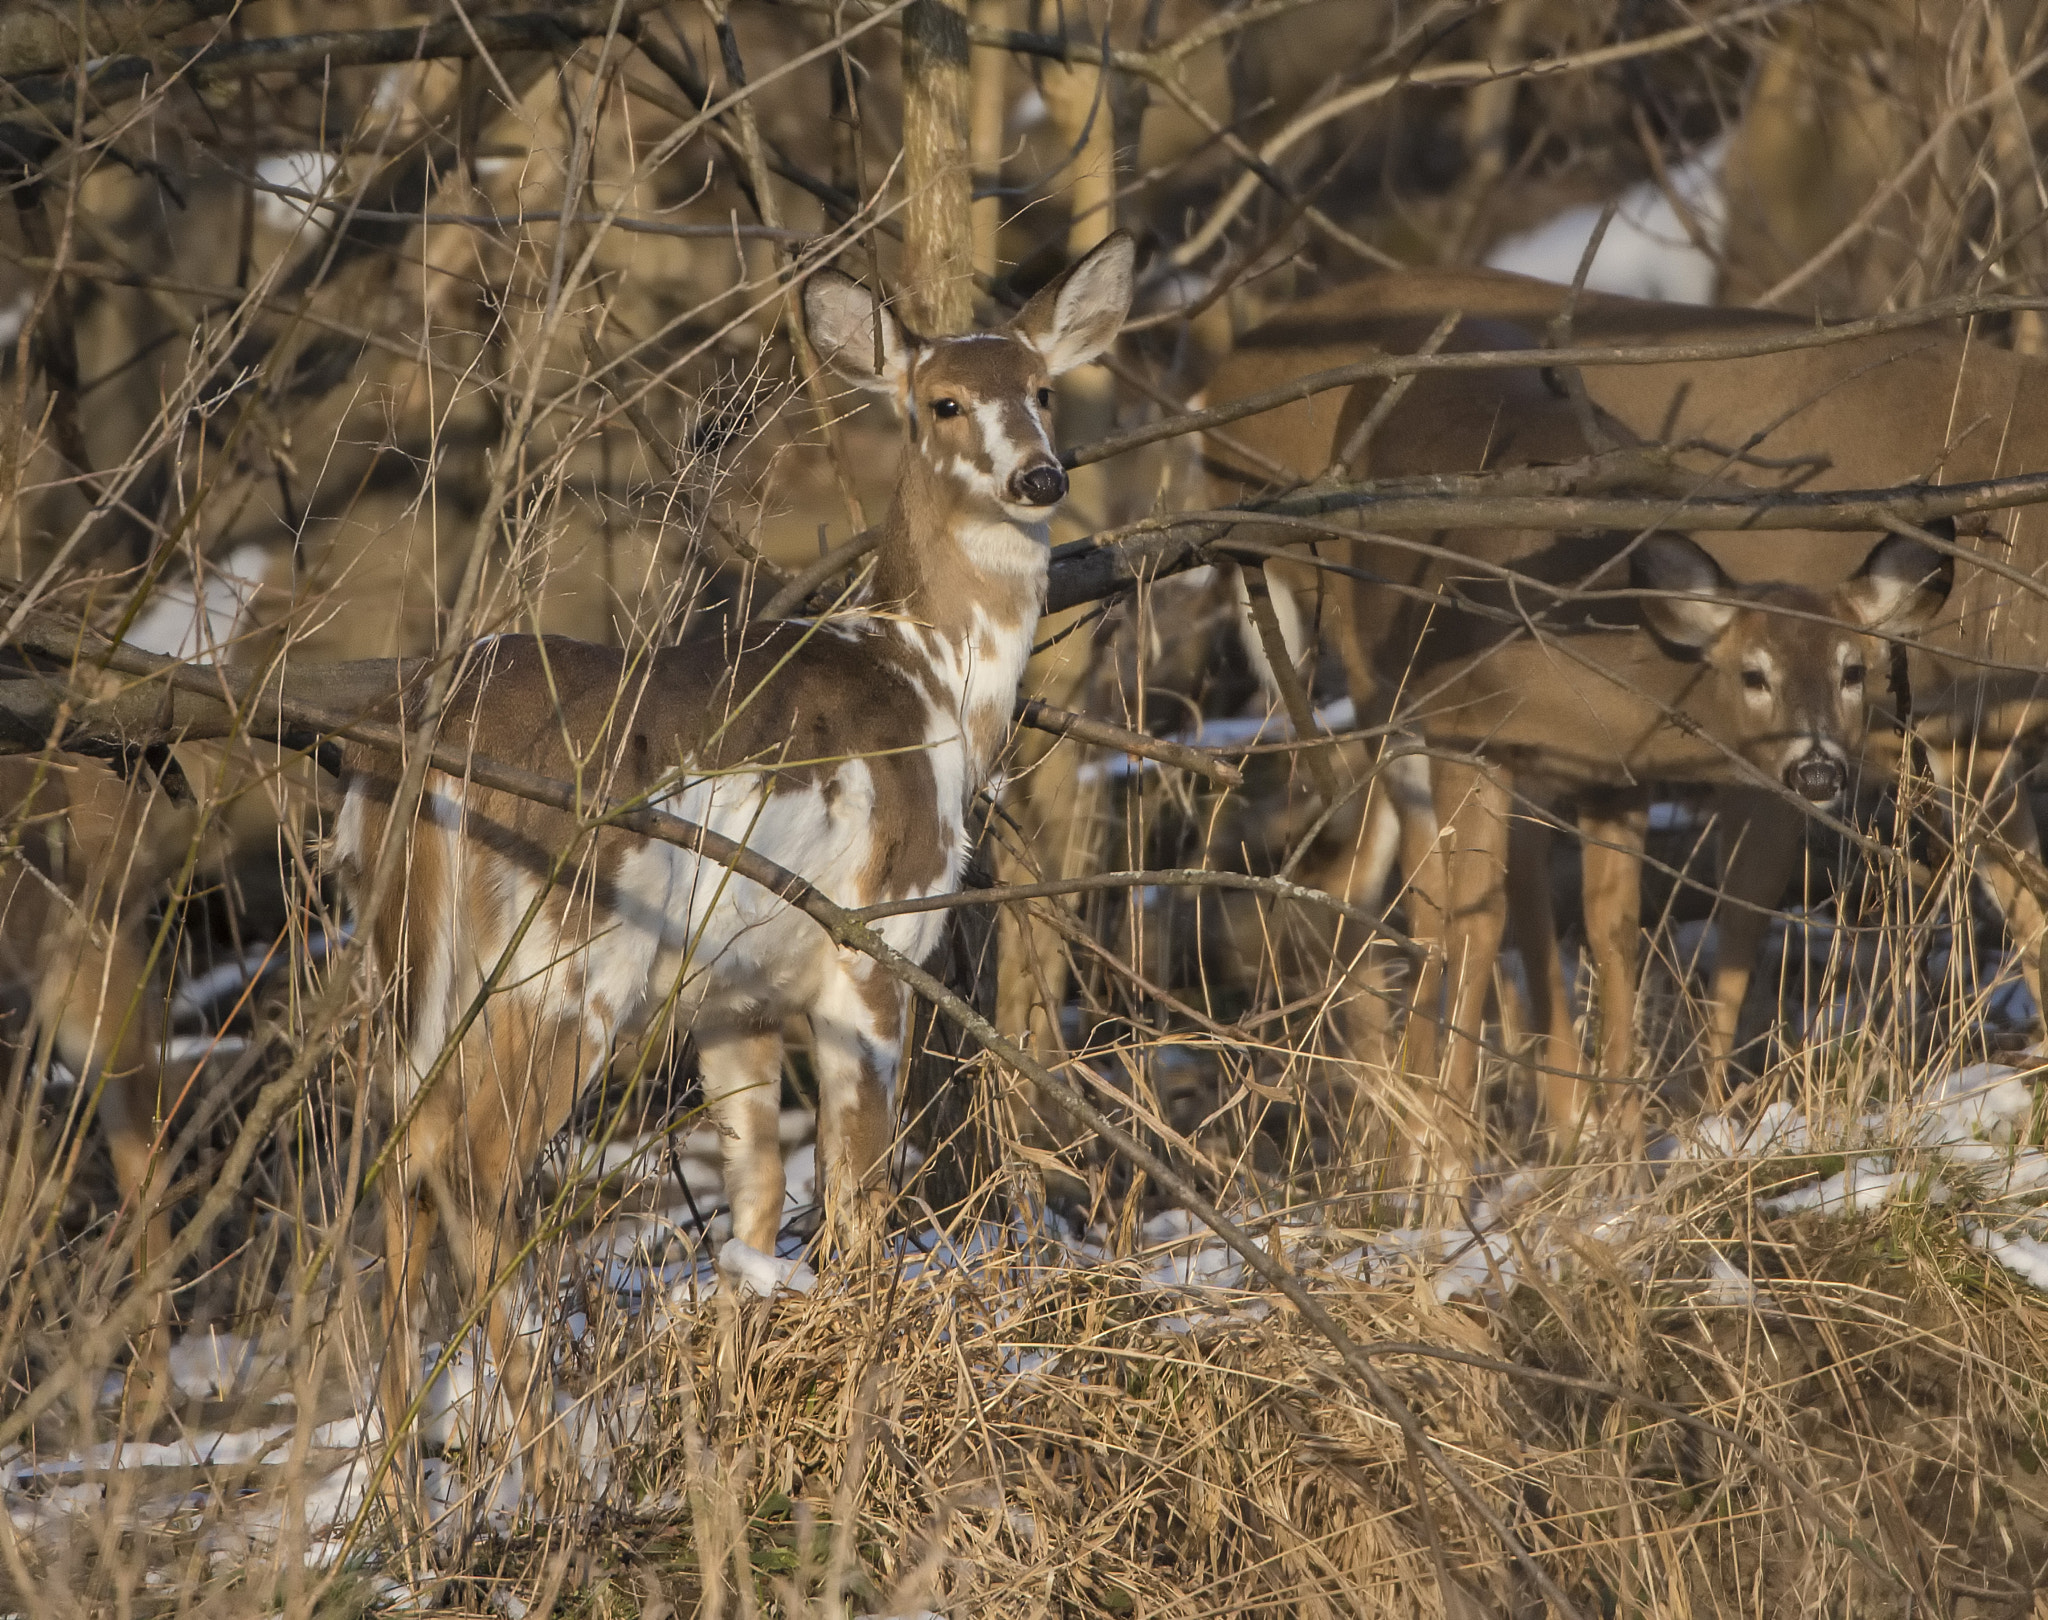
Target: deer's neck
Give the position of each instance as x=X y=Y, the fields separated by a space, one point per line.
x=967 y=590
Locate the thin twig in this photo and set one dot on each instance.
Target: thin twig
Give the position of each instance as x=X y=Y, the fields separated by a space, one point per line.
x=1085 y=728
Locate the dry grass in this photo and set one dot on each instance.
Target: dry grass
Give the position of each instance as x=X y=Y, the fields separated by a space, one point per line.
x=1678 y=1404
x=1859 y=1433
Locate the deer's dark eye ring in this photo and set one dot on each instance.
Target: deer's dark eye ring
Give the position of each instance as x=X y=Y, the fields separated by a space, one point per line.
x=1852 y=675
x=1045 y=399
x=1756 y=680
x=943 y=408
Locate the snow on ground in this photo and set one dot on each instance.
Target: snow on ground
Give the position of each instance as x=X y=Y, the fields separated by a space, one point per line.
x=1966 y=1147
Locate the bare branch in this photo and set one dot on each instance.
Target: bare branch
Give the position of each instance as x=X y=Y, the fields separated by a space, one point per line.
x=47 y=38
x=1083 y=728
x=1638 y=354
x=1113 y=561
x=334 y=48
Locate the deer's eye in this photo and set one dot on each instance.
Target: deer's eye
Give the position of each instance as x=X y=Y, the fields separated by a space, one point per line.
x=1045 y=399
x=1852 y=676
x=1755 y=680
x=943 y=408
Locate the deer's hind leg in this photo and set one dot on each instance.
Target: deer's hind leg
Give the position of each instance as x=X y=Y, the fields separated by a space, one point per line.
x=106 y=1023
x=857 y=1041
x=1615 y=830
x=1532 y=920
x=1463 y=921
x=742 y=1068
x=473 y=1143
x=409 y=1222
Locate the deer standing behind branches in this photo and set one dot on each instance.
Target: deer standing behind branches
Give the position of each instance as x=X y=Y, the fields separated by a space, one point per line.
x=846 y=750
x=1936 y=403
x=1439 y=634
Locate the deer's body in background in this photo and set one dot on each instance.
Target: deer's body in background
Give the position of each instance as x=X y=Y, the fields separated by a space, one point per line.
x=845 y=750
x=91 y=853
x=1931 y=403
x=1444 y=654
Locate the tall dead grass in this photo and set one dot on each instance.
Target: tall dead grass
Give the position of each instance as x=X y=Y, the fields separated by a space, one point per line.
x=1677 y=1405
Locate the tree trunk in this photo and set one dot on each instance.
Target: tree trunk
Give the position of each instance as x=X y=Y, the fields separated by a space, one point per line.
x=991 y=102
x=938 y=241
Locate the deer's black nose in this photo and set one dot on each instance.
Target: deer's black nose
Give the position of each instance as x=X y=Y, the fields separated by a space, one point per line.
x=1817 y=778
x=1042 y=485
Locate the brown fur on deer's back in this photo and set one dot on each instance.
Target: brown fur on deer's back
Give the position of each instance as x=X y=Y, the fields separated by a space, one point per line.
x=1924 y=403
x=779 y=707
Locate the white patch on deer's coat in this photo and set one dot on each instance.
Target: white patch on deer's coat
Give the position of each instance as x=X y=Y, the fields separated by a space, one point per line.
x=12 y=316
x=1010 y=549
x=350 y=829
x=1293 y=630
x=434 y=1011
x=1028 y=111
x=1007 y=453
x=674 y=919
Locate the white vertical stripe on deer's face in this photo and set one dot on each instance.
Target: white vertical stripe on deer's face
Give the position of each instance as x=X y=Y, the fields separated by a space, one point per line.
x=1013 y=438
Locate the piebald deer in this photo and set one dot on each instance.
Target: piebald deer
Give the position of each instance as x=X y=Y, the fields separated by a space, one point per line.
x=847 y=750
x=1438 y=636
x=1928 y=403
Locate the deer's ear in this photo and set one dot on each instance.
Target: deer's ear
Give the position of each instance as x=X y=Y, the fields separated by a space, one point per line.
x=1903 y=582
x=1075 y=318
x=854 y=333
x=1673 y=563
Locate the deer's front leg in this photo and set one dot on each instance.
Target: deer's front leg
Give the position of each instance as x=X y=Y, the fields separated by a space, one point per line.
x=2014 y=839
x=1473 y=804
x=107 y=1021
x=856 y=1041
x=1764 y=838
x=743 y=1084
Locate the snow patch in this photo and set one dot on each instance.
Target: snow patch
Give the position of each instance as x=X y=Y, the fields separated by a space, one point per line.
x=182 y=620
x=296 y=171
x=763 y=1275
x=1647 y=251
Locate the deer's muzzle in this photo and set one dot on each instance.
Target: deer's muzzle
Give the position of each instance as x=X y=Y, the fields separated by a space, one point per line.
x=1042 y=485
x=1817 y=777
